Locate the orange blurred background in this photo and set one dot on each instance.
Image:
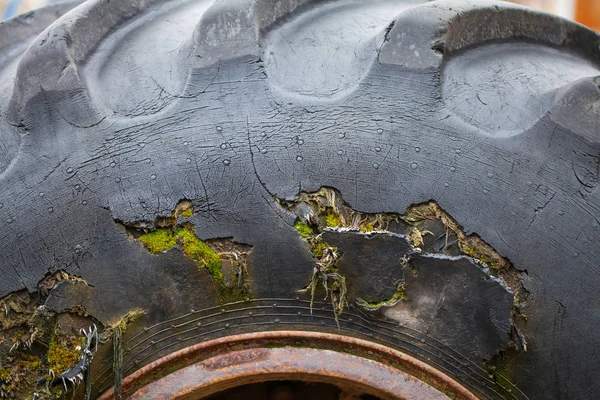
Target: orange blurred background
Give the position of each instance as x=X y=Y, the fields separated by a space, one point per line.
x=586 y=12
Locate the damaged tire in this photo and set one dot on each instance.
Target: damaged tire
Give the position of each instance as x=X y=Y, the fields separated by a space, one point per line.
x=207 y=199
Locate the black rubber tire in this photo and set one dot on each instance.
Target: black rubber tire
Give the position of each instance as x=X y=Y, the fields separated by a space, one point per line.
x=120 y=111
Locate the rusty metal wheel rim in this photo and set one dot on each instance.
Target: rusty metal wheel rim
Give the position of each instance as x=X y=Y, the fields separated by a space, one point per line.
x=220 y=364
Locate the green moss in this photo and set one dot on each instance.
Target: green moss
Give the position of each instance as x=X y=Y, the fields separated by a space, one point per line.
x=399 y=295
x=367 y=227
x=159 y=240
x=30 y=363
x=184 y=237
x=304 y=230
x=184 y=209
x=274 y=345
x=316 y=243
x=319 y=246
x=231 y=294
x=187 y=213
x=503 y=367
x=332 y=220
x=5 y=374
x=19 y=381
x=479 y=255
x=348 y=350
x=61 y=355
x=197 y=250
x=58 y=392
x=164 y=239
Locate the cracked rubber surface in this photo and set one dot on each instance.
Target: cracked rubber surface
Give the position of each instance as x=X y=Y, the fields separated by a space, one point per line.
x=119 y=110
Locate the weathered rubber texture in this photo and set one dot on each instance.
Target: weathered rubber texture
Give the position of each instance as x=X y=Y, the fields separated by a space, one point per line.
x=121 y=109
x=15 y=35
x=439 y=292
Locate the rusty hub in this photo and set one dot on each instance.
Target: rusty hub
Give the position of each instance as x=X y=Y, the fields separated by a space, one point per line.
x=354 y=365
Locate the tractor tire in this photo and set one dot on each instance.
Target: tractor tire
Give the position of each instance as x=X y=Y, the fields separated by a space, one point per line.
x=389 y=199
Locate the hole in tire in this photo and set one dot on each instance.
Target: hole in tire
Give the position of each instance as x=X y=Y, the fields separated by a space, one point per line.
x=290 y=390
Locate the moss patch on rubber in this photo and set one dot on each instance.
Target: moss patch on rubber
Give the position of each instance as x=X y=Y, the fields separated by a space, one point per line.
x=63 y=352
x=325 y=214
x=470 y=245
x=328 y=210
x=37 y=344
x=303 y=229
x=20 y=378
x=325 y=209
x=373 y=306
x=184 y=209
x=164 y=239
x=325 y=274
x=159 y=240
x=502 y=368
x=332 y=220
x=214 y=254
x=197 y=250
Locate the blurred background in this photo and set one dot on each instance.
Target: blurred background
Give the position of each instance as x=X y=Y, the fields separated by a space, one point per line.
x=585 y=11
x=10 y=8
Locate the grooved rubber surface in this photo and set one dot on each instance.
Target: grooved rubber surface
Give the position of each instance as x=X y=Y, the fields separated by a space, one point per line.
x=120 y=110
